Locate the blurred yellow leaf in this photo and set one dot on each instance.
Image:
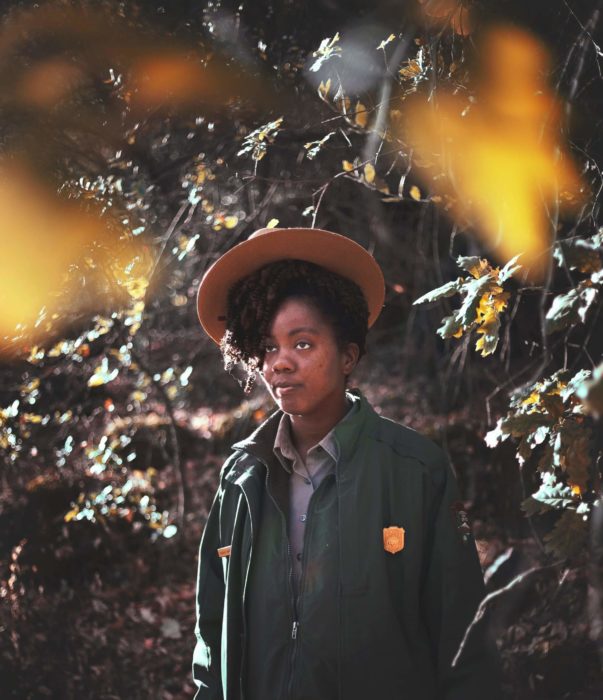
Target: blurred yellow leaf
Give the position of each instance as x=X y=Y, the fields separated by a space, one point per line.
x=369 y=172
x=415 y=193
x=497 y=164
x=45 y=84
x=71 y=514
x=449 y=12
x=273 y=223
x=230 y=221
x=102 y=374
x=43 y=237
x=32 y=418
x=347 y=166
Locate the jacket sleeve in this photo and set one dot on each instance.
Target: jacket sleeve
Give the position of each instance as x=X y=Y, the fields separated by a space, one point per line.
x=454 y=588
x=209 y=608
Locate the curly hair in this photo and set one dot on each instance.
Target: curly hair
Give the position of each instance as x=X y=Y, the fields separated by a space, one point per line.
x=253 y=301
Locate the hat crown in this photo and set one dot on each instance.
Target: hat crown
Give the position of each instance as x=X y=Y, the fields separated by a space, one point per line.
x=331 y=250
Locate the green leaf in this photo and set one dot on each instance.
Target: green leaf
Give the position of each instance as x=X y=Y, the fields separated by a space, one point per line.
x=313 y=147
x=466 y=262
x=473 y=290
x=328 y=49
x=571 y=450
x=580 y=254
x=257 y=141
x=524 y=424
x=569 y=535
x=552 y=495
x=591 y=392
x=497 y=435
x=446 y=290
x=450 y=326
x=571 y=307
x=575 y=383
x=509 y=269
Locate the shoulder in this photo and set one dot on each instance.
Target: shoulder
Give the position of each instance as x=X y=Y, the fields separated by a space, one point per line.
x=407 y=442
x=232 y=465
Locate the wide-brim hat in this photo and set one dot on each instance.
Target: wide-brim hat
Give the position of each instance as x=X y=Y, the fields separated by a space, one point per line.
x=331 y=250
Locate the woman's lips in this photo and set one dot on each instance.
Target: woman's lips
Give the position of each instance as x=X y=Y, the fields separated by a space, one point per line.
x=284 y=390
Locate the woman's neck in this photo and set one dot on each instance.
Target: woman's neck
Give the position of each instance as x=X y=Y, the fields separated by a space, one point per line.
x=308 y=430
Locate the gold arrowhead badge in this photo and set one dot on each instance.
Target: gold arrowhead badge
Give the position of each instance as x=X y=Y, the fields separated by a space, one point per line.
x=393 y=539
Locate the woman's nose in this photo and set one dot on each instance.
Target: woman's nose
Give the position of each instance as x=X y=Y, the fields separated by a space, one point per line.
x=281 y=362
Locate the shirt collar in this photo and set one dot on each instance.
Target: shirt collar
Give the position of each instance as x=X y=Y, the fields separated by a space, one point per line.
x=285 y=450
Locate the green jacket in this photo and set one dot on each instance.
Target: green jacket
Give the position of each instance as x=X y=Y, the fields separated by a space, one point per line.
x=397 y=619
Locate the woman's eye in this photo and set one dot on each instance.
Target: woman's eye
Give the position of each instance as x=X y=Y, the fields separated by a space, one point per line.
x=303 y=342
x=268 y=347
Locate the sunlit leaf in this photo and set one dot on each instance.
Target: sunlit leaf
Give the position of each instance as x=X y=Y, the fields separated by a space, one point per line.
x=361 y=115
x=102 y=374
x=369 y=172
x=313 y=147
x=415 y=193
x=571 y=307
x=385 y=42
x=256 y=143
x=585 y=255
x=329 y=48
x=590 y=392
x=446 y=290
x=323 y=89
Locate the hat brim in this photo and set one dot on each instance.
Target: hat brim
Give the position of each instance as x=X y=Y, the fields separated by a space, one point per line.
x=331 y=250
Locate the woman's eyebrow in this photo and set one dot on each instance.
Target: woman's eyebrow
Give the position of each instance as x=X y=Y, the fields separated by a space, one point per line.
x=304 y=329
x=301 y=329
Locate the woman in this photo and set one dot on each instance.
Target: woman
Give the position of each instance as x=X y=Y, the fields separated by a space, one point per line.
x=335 y=562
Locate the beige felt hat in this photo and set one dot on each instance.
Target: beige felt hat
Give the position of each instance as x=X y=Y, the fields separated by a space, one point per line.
x=331 y=250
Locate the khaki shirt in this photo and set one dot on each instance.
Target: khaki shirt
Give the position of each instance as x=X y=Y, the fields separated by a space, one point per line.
x=304 y=479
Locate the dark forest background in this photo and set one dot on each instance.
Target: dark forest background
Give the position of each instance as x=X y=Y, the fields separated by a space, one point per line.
x=141 y=140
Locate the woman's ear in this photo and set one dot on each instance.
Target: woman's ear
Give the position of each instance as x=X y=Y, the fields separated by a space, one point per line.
x=350 y=358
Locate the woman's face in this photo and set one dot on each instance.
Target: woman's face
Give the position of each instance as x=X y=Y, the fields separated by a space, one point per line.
x=303 y=367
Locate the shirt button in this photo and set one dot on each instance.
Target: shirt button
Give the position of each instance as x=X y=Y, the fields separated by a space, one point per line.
x=307 y=481
x=299 y=556
x=303 y=518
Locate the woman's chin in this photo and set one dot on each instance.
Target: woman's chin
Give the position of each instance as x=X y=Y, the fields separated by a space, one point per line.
x=290 y=404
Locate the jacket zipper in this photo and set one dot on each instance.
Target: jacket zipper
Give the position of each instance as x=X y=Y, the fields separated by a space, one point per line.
x=295 y=624
x=295 y=627
x=295 y=617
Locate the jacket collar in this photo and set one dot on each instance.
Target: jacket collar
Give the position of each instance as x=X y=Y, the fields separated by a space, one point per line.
x=260 y=443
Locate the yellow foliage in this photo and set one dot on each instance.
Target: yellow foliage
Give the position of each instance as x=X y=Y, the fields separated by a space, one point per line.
x=361 y=115
x=42 y=236
x=415 y=193
x=323 y=89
